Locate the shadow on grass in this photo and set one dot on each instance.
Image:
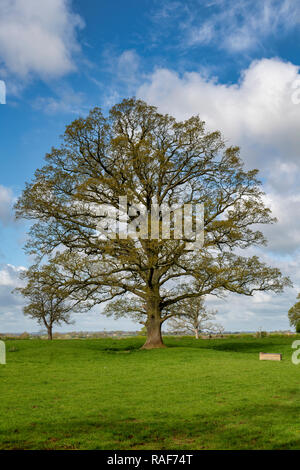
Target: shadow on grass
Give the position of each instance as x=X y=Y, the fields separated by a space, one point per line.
x=253 y=427
x=125 y=349
x=133 y=344
x=242 y=345
x=113 y=345
x=239 y=346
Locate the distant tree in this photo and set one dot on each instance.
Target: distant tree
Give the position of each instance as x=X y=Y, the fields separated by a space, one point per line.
x=261 y=333
x=191 y=315
x=218 y=329
x=294 y=314
x=49 y=301
x=143 y=331
x=24 y=335
x=153 y=160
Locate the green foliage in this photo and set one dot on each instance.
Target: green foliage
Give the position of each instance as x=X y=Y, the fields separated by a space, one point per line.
x=48 y=299
x=146 y=156
x=143 y=331
x=25 y=335
x=196 y=394
x=298 y=327
x=261 y=334
x=294 y=314
x=191 y=315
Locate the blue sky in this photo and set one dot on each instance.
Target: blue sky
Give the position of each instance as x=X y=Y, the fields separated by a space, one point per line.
x=233 y=62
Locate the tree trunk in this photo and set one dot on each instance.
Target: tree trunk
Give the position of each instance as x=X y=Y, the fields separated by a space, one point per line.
x=154 y=338
x=153 y=325
x=196 y=333
x=49 y=328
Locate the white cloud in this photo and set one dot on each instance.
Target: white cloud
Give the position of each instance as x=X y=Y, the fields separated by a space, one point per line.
x=241 y=25
x=66 y=101
x=38 y=37
x=257 y=113
x=263 y=310
x=6 y=205
x=125 y=74
x=10 y=303
x=9 y=275
x=284 y=236
x=252 y=109
x=127 y=66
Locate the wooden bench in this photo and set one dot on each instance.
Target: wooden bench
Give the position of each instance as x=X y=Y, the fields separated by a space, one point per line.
x=270 y=356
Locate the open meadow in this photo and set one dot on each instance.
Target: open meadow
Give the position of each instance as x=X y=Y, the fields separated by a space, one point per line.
x=109 y=394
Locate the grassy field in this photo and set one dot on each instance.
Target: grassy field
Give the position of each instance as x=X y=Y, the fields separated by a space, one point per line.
x=108 y=394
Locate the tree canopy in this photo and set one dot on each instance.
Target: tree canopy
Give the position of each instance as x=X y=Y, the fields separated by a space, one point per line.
x=191 y=315
x=146 y=156
x=49 y=301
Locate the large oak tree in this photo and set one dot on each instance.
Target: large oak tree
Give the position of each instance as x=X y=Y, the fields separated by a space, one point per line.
x=144 y=155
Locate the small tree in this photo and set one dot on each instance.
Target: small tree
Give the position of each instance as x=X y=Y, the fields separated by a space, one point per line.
x=49 y=302
x=294 y=315
x=192 y=316
x=143 y=331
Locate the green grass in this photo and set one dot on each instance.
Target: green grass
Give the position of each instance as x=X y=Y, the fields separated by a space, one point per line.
x=108 y=394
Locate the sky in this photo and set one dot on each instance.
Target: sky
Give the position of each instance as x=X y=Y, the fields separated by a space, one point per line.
x=233 y=62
